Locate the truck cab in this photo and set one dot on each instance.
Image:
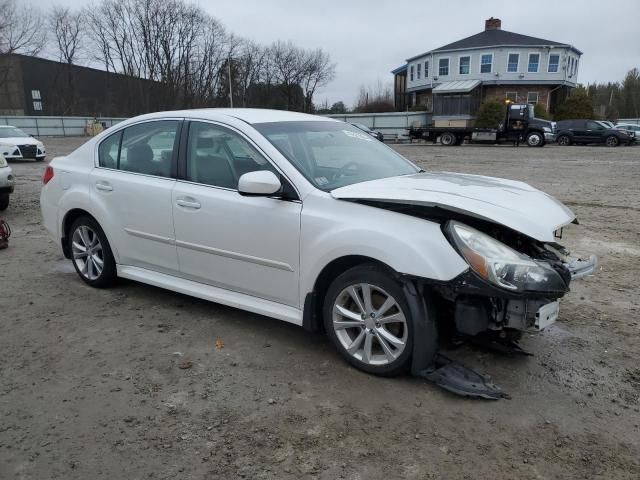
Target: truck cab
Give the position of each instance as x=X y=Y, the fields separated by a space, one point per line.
x=521 y=124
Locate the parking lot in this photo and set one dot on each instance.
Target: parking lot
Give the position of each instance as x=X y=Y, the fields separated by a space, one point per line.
x=91 y=384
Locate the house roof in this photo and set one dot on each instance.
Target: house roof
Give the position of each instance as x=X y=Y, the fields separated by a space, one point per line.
x=497 y=38
x=401 y=68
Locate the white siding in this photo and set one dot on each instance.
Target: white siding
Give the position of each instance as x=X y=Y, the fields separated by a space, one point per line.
x=499 y=67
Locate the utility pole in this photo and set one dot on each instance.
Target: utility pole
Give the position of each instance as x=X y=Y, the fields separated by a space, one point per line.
x=230 y=88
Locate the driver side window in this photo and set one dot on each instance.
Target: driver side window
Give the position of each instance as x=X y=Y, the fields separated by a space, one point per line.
x=218 y=157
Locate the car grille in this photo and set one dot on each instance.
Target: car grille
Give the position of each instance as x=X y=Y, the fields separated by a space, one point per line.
x=28 y=151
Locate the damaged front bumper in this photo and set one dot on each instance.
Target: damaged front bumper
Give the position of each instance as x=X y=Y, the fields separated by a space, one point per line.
x=478 y=306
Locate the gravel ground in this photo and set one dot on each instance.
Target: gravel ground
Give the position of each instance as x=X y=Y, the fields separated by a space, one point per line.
x=91 y=384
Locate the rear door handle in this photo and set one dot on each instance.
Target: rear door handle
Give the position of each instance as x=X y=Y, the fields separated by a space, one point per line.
x=104 y=186
x=188 y=202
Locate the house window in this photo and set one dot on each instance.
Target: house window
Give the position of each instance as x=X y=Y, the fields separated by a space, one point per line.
x=532 y=98
x=554 y=63
x=35 y=95
x=411 y=73
x=512 y=96
x=486 y=63
x=512 y=63
x=37 y=105
x=419 y=70
x=426 y=69
x=534 y=62
x=443 y=66
x=463 y=67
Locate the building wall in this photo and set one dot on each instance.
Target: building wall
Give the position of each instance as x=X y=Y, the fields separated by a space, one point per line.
x=499 y=92
x=498 y=72
x=11 y=92
x=36 y=86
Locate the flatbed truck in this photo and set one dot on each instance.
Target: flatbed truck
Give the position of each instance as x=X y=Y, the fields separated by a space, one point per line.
x=520 y=126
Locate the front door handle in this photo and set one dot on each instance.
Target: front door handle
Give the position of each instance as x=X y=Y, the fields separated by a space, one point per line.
x=188 y=202
x=104 y=186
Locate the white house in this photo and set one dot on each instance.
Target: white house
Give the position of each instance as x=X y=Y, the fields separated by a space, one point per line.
x=452 y=80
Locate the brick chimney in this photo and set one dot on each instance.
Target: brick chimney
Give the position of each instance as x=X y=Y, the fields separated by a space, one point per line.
x=492 y=24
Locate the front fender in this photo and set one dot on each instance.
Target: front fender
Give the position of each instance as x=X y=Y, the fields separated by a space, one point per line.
x=331 y=229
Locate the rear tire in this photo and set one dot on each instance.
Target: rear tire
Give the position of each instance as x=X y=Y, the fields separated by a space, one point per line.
x=612 y=141
x=367 y=317
x=91 y=254
x=535 y=139
x=564 y=140
x=4 y=202
x=447 y=139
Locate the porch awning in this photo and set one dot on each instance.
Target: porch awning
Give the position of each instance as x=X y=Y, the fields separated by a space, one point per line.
x=460 y=86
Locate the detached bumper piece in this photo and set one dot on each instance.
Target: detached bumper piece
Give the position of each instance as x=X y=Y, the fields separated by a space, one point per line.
x=580 y=268
x=460 y=380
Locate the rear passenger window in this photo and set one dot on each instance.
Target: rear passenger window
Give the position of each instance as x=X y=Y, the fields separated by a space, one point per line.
x=108 y=151
x=144 y=148
x=148 y=148
x=218 y=156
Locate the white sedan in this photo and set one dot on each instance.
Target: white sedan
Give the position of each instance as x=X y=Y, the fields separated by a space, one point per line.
x=15 y=145
x=311 y=221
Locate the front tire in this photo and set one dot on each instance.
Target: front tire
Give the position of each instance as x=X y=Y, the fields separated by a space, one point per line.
x=4 y=202
x=40 y=159
x=612 y=141
x=368 y=319
x=535 y=139
x=91 y=254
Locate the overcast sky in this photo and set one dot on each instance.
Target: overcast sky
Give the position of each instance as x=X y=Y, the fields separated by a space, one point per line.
x=368 y=38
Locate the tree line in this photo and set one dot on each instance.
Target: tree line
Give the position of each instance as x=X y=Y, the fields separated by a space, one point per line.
x=177 y=55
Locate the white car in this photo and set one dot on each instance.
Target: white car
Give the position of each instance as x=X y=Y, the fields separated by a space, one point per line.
x=631 y=128
x=311 y=221
x=15 y=145
x=7 y=183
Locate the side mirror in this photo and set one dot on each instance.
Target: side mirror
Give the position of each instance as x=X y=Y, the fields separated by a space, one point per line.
x=261 y=183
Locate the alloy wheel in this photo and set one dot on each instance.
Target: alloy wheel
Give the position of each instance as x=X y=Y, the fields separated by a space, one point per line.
x=612 y=142
x=369 y=324
x=87 y=252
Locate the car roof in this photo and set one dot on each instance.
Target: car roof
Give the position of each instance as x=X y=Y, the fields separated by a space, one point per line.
x=249 y=115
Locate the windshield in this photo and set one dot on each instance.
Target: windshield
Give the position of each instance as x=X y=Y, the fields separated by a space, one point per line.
x=11 y=132
x=334 y=154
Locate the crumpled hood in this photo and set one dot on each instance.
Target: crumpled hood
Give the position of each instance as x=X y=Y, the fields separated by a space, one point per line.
x=510 y=203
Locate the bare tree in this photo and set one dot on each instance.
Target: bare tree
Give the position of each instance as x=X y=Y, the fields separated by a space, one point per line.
x=68 y=29
x=21 y=28
x=317 y=71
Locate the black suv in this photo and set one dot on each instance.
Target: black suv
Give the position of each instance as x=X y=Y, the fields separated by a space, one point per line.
x=589 y=131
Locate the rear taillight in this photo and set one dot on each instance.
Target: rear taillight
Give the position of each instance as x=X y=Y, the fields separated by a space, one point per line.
x=48 y=174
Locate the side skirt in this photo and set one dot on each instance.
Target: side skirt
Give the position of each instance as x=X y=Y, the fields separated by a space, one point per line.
x=213 y=294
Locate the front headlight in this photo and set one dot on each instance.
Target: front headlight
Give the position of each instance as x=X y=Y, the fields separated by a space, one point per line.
x=501 y=265
x=3 y=162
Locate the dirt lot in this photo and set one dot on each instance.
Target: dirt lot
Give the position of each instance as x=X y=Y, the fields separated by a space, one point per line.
x=90 y=384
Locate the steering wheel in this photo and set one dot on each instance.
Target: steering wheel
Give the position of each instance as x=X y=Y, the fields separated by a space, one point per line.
x=347 y=170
